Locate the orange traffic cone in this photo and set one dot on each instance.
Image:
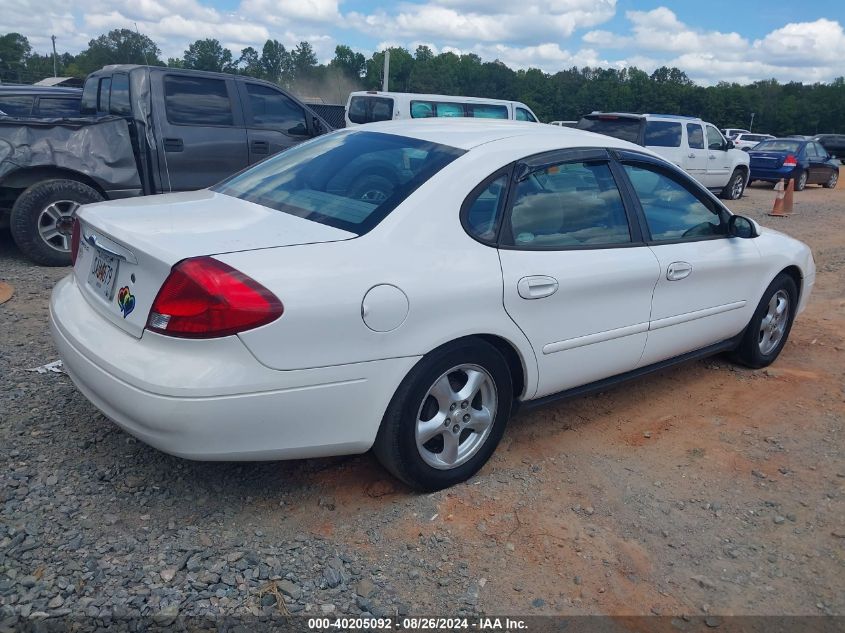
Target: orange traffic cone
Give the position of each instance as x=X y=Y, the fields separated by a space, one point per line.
x=788 y=196
x=778 y=210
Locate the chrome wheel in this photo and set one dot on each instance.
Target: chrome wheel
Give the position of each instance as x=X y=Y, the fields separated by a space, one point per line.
x=55 y=224
x=834 y=178
x=456 y=416
x=802 y=181
x=773 y=325
x=737 y=187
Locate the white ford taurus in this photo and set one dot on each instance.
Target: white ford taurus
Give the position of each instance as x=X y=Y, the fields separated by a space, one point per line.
x=405 y=286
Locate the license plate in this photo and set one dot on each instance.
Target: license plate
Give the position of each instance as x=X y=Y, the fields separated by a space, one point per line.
x=103 y=274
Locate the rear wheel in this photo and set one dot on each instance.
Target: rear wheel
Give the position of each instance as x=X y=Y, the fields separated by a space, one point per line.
x=801 y=180
x=736 y=185
x=42 y=219
x=769 y=328
x=831 y=182
x=447 y=416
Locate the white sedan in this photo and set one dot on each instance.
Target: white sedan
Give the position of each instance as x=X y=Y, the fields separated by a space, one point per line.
x=405 y=286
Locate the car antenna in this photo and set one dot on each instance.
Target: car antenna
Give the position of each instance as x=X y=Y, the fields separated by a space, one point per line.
x=143 y=52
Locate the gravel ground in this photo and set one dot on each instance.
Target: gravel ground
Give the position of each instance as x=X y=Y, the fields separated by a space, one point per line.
x=706 y=489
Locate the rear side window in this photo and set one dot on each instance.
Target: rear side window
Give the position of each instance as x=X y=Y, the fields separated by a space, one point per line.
x=566 y=205
x=55 y=108
x=524 y=115
x=270 y=108
x=119 y=102
x=484 y=207
x=197 y=101
x=103 y=94
x=486 y=111
x=370 y=109
x=672 y=211
x=662 y=134
x=623 y=128
x=17 y=105
x=695 y=136
x=427 y=109
x=348 y=180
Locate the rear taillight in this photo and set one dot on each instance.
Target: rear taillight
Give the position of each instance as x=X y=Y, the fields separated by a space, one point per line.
x=790 y=161
x=74 y=242
x=205 y=298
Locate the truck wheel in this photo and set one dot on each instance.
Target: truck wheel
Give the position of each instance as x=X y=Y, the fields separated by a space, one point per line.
x=42 y=219
x=736 y=185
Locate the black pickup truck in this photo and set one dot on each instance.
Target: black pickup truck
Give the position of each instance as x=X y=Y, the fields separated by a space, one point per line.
x=143 y=130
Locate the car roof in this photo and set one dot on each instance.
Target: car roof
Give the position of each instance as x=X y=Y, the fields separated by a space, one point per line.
x=54 y=91
x=467 y=133
x=634 y=115
x=431 y=97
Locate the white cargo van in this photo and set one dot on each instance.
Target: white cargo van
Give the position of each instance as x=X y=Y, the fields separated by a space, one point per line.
x=371 y=106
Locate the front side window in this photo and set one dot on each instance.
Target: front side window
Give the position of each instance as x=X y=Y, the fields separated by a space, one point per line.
x=662 y=134
x=349 y=180
x=51 y=108
x=695 y=136
x=672 y=211
x=366 y=109
x=269 y=108
x=483 y=209
x=17 y=105
x=119 y=102
x=486 y=111
x=567 y=205
x=715 y=140
x=524 y=115
x=197 y=101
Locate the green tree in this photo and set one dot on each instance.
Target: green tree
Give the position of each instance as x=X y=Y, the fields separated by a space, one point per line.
x=120 y=46
x=348 y=61
x=208 y=54
x=303 y=60
x=249 y=62
x=276 y=64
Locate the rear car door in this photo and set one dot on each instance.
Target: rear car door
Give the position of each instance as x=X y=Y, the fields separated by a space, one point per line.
x=697 y=156
x=718 y=158
x=664 y=137
x=202 y=137
x=705 y=291
x=577 y=277
x=820 y=169
x=274 y=121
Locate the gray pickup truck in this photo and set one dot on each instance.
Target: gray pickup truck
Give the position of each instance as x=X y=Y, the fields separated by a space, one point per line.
x=143 y=130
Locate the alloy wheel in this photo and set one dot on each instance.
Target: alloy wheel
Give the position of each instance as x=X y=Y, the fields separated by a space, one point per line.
x=55 y=224
x=773 y=325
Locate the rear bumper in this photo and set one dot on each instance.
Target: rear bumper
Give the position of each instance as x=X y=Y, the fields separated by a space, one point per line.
x=212 y=399
x=773 y=175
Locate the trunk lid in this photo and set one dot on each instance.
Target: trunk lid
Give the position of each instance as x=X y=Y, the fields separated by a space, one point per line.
x=767 y=160
x=127 y=248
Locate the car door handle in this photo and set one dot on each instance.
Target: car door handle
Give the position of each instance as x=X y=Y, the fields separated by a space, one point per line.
x=173 y=145
x=261 y=147
x=678 y=271
x=537 y=287
x=691 y=155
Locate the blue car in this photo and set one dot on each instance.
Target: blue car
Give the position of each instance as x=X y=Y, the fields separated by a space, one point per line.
x=804 y=161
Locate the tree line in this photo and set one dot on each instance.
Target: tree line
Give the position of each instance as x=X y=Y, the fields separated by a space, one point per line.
x=791 y=108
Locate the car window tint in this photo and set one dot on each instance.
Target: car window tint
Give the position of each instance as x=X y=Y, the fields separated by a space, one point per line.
x=486 y=111
x=663 y=134
x=811 y=150
x=624 y=128
x=17 y=105
x=714 y=138
x=349 y=180
x=89 y=96
x=271 y=109
x=53 y=108
x=197 y=101
x=484 y=210
x=449 y=109
x=422 y=109
x=104 y=94
x=119 y=102
x=370 y=109
x=569 y=204
x=524 y=115
x=779 y=146
x=671 y=210
x=695 y=136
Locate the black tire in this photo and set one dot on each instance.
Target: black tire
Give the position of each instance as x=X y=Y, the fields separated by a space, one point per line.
x=801 y=180
x=396 y=444
x=831 y=182
x=29 y=215
x=373 y=188
x=749 y=352
x=735 y=187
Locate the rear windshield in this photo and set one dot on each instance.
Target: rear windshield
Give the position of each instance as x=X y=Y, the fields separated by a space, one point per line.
x=778 y=146
x=350 y=180
x=370 y=109
x=622 y=128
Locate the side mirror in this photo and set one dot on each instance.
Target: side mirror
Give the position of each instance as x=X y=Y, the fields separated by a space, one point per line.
x=317 y=126
x=742 y=227
x=729 y=144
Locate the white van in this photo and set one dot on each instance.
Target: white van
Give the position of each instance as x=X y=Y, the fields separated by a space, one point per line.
x=371 y=106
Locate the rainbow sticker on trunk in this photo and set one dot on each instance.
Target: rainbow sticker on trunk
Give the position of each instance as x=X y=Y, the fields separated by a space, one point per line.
x=125 y=301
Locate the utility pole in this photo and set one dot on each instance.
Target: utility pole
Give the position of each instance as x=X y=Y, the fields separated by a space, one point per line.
x=55 y=71
x=751 y=125
x=386 y=70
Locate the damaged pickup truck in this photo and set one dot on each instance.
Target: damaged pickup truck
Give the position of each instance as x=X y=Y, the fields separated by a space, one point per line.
x=146 y=130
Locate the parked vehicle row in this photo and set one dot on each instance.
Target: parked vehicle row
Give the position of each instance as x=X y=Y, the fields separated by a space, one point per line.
x=694 y=145
x=745 y=140
x=802 y=161
x=172 y=130
x=303 y=320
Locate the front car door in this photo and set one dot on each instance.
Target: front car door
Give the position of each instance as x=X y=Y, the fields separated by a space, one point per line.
x=705 y=291
x=274 y=121
x=578 y=278
x=718 y=158
x=203 y=139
